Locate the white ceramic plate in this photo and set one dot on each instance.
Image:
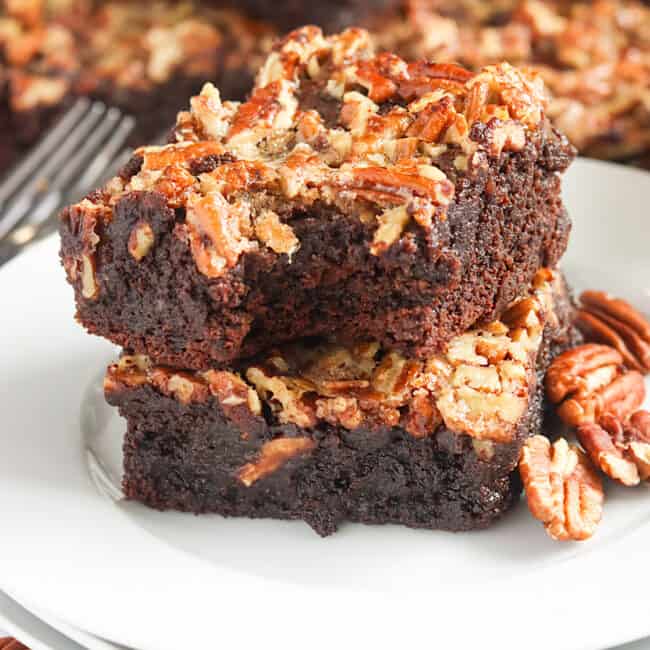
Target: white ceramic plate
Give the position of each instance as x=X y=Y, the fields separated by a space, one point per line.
x=18 y=622
x=159 y=581
x=32 y=619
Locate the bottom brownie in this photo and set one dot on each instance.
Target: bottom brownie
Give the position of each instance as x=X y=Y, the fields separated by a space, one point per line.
x=324 y=433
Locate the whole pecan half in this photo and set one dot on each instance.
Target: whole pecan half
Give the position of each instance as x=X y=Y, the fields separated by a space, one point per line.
x=603 y=318
x=621 y=448
x=589 y=381
x=563 y=489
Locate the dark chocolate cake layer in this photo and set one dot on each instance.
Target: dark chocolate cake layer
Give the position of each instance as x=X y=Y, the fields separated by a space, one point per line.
x=326 y=433
x=353 y=196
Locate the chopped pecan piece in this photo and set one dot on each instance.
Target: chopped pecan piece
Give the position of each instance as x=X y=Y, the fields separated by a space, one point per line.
x=214 y=231
x=606 y=319
x=273 y=455
x=391 y=225
x=184 y=386
x=589 y=381
x=621 y=448
x=89 y=287
x=140 y=240
x=285 y=395
x=232 y=391
x=563 y=489
x=387 y=185
x=276 y=235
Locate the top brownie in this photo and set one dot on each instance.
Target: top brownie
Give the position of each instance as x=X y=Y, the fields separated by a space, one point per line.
x=353 y=195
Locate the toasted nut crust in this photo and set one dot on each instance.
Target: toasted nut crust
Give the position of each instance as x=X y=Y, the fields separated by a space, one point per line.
x=563 y=490
x=273 y=455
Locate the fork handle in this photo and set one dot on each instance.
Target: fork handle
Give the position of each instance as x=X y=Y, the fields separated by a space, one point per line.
x=9 y=248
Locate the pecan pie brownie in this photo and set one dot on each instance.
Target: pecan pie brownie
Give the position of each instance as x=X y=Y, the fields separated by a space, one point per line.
x=353 y=195
x=329 y=433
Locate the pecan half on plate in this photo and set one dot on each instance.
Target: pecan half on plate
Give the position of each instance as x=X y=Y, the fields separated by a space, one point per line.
x=603 y=318
x=620 y=448
x=563 y=489
x=591 y=380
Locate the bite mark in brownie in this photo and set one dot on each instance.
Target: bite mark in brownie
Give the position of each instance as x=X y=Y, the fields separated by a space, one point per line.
x=330 y=433
x=425 y=201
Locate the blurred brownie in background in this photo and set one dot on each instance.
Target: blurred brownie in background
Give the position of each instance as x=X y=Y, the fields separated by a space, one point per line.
x=145 y=58
x=594 y=57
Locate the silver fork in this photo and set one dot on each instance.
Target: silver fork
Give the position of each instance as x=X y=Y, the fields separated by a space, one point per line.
x=84 y=148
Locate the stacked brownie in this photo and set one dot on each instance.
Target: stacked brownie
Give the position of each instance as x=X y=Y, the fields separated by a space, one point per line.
x=336 y=300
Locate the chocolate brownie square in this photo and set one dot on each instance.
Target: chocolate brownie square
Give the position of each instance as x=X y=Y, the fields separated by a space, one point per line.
x=354 y=195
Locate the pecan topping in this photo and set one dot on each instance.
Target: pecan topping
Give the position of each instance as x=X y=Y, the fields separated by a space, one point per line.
x=232 y=391
x=214 y=230
x=391 y=225
x=273 y=455
x=563 y=489
x=276 y=235
x=589 y=381
x=83 y=220
x=130 y=371
x=285 y=396
x=605 y=319
x=186 y=387
x=372 y=153
x=621 y=448
x=228 y=388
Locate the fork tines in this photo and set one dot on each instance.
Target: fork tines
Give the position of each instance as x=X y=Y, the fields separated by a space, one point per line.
x=68 y=162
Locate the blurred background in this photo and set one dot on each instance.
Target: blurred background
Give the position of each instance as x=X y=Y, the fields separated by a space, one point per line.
x=147 y=58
